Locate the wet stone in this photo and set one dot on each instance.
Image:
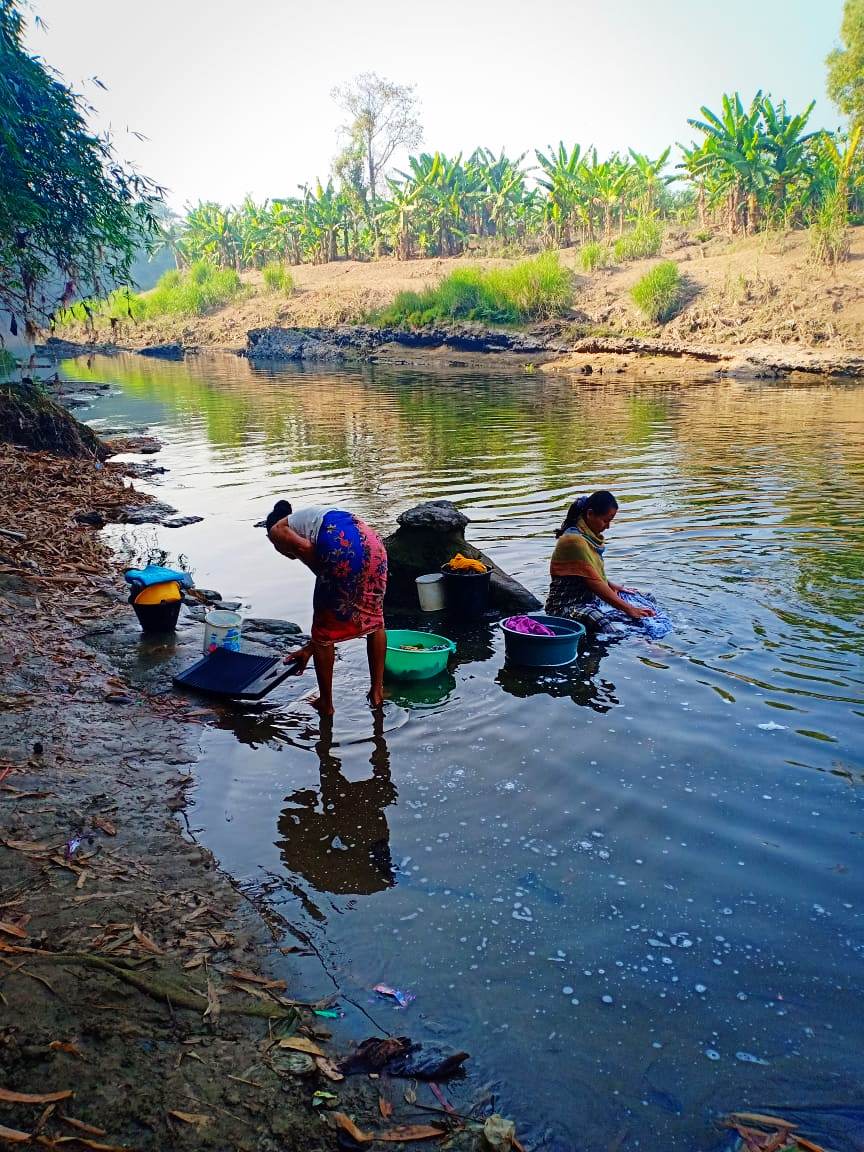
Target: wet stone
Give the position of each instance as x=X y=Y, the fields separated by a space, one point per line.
x=153 y=513
x=165 y=351
x=206 y=595
x=181 y=521
x=272 y=627
x=439 y=515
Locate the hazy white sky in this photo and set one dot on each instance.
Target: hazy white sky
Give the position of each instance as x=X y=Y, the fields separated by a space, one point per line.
x=234 y=98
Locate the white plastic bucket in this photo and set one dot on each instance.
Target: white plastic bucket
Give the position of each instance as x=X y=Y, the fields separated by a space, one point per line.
x=222 y=630
x=430 y=591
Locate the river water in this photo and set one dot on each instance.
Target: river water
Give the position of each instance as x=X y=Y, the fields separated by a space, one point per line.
x=631 y=889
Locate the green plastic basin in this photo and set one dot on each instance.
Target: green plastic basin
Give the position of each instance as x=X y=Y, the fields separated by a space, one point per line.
x=422 y=665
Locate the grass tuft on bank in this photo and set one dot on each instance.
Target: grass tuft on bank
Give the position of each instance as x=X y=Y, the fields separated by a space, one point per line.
x=660 y=292
x=532 y=290
x=277 y=279
x=644 y=241
x=199 y=289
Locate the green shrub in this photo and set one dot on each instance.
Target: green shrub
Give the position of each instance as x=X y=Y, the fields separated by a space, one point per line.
x=534 y=289
x=594 y=255
x=277 y=278
x=659 y=293
x=644 y=241
x=201 y=288
x=8 y=363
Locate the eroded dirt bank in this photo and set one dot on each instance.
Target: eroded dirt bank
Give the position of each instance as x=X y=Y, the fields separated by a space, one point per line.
x=756 y=305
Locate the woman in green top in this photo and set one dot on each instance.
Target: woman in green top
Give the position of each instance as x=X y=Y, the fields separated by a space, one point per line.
x=579 y=589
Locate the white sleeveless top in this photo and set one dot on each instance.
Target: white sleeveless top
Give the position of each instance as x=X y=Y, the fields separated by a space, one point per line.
x=306 y=522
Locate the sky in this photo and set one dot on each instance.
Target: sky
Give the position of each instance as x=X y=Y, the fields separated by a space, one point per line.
x=235 y=98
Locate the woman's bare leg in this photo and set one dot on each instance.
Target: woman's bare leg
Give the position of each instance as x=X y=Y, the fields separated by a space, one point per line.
x=376 y=650
x=324 y=656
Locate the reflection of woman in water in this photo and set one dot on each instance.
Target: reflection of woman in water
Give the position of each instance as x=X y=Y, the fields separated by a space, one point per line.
x=339 y=838
x=579 y=589
x=350 y=565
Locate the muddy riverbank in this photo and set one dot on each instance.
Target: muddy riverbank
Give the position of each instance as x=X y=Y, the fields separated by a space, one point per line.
x=139 y=1005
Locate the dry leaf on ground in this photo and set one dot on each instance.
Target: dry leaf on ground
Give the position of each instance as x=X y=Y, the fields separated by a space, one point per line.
x=14 y=1135
x=409 y=1132
x=28 y=1098
x=328 y=1068
x=196 y=1119
x=12 y=930
x=73 y=1050
x=146 y=941
x=301 y=1044
x=90 y=1129
x=347 y=1125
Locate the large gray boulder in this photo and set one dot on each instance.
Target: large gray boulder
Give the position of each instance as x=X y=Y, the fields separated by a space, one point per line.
x=428 y=536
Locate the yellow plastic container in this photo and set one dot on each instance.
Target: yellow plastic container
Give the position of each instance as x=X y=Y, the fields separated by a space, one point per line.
x=159 y=593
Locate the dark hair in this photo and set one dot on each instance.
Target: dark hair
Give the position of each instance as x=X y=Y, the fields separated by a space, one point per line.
x=281 y=509
x=597 y=502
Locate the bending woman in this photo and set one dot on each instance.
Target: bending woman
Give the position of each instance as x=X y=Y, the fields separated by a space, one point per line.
x=350 y=565
x=579 y=589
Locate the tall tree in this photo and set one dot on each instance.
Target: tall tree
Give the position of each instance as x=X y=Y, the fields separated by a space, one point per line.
x=846 y=65
x=71 y=216
x=382 y=116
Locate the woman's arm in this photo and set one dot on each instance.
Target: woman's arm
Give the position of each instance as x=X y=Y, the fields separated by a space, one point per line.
x=609 y=594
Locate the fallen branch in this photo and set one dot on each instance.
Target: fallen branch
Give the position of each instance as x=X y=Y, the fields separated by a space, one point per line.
x=165 y=991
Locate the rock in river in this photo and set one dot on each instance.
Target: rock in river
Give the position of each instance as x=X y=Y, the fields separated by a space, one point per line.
x=428 y=536
x=274 y=627
x=165 y=351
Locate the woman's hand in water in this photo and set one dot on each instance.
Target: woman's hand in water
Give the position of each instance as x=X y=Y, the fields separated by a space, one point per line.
x=299 y=659
x=637 y=613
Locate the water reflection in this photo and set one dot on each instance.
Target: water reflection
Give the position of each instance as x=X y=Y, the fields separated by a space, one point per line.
x=336 y=836
x=580 y=681
x=608 y=902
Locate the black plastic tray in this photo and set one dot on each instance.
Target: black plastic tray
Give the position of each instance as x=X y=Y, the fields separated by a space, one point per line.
x=240 y=675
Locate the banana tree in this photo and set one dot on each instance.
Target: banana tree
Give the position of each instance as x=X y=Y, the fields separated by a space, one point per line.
x=395 y=215
x=736 y=157
x=323 y=211
x=650 y=179
x=785 y=143
x=562 y=179
x=287 y=225
x=696 y=163
x=170 y=237
x=606 y=183
x=211 y=234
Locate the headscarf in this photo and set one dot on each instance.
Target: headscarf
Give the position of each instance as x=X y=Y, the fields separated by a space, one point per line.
x=579 y=551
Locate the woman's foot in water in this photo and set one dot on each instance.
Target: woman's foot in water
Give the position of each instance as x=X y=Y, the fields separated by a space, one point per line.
x=315 y=702
x=376 y=699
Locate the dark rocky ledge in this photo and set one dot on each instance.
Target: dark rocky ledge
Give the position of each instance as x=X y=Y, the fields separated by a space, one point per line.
x=428 y=536
x=363 y=342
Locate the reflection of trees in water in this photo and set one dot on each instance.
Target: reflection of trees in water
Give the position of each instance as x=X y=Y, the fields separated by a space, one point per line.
x=713 y=456
x=581 y=681
x=337 y=837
